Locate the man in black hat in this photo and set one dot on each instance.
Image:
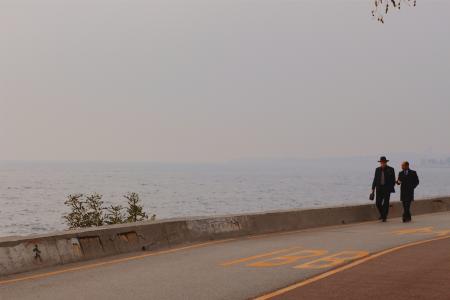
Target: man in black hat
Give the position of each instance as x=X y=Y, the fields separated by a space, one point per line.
x=384 y=184
x=408 y=180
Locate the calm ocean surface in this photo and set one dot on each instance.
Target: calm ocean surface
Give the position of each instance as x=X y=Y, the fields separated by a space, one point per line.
x=32 y=194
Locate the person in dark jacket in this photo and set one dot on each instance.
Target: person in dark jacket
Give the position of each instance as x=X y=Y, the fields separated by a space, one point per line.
x=384 y=184
x=408 y=181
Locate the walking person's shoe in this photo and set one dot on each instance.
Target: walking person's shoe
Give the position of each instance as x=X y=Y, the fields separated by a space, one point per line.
x=384 y=220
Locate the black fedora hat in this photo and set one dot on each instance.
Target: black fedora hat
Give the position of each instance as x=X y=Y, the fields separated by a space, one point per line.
x=383 y=159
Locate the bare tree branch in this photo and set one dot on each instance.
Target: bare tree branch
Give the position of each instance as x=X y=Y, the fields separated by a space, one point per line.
x=382 y=7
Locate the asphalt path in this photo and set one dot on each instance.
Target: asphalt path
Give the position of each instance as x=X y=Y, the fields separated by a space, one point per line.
x=419 y=272
x=265 y=266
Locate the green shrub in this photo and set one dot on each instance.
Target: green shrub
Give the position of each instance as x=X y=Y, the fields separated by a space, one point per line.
x=135 y=209
x=77 y=216
x=95 y=213
x=88 y=211
x=115 y=215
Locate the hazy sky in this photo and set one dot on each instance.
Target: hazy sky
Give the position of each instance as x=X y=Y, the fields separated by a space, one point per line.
x=213 y=80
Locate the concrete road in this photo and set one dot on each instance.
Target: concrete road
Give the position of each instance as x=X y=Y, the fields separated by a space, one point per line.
x=240 y=268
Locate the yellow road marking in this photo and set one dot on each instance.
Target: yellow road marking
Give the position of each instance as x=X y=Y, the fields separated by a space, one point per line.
x=414 y=231
x=246 y=259
x=333 y=260
x=343 y=268
x=443 y=232
x=106 y=263
x=288 y=258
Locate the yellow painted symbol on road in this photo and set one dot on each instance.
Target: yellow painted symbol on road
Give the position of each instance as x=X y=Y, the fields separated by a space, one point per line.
x=333 y=260
x=291 y=256
x=250 y=258
x=288 y=258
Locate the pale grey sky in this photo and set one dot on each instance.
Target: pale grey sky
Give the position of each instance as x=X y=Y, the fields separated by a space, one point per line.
x=213 y=80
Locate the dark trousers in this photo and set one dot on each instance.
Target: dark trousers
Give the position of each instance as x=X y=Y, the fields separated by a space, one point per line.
x=382 y=202
x=406 y=210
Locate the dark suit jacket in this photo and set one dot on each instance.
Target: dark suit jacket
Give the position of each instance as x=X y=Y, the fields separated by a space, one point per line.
x=389 y=179
x=408 y=184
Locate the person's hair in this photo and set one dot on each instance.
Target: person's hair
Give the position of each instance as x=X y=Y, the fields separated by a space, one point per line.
x=406 y=163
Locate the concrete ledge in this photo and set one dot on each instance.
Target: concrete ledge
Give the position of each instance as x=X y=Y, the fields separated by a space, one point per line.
x=22 y=254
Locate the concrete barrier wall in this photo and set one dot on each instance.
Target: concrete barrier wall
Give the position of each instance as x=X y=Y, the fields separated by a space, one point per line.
x=21 y=254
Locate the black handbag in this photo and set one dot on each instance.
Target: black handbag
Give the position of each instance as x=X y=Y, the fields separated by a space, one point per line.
x=372 y=196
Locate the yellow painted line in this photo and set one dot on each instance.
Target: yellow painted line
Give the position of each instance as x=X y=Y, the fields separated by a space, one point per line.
x=343 y=268
x=245 y=259
x=109 y=262
x=423 y=230
x=443 y=232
